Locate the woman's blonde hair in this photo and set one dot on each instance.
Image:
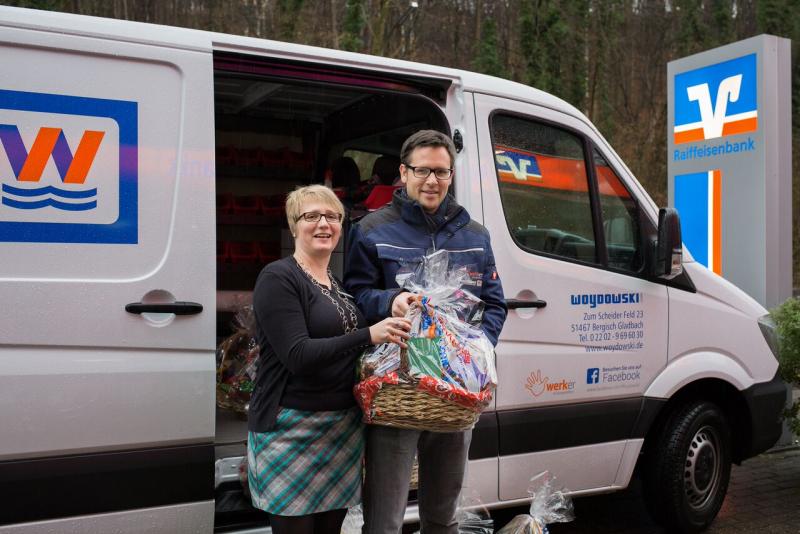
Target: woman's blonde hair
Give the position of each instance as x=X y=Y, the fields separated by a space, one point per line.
x=310 y=193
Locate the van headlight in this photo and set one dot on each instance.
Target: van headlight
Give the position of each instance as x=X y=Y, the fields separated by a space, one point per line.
x=770 y=332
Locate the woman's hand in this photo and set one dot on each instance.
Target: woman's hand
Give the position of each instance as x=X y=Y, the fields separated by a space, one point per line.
x=402 y=302
x=390 y=330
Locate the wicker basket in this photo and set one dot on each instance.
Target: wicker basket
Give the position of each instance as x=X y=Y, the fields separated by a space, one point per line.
x=405 y=406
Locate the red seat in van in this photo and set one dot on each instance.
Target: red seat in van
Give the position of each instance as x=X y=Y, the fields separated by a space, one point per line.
x=243 y=251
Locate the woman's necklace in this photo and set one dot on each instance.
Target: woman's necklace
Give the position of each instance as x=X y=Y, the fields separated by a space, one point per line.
x=348 y=326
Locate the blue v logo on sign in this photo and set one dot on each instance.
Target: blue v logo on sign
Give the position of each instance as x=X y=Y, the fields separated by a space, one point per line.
x=732 y=110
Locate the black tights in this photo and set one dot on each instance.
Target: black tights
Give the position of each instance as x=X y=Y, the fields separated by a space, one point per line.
x=320 y=523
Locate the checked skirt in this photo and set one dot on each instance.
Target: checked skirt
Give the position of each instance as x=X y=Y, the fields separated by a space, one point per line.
x=310 y=462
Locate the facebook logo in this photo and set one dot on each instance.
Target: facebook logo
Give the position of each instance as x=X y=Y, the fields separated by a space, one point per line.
x=593 y=375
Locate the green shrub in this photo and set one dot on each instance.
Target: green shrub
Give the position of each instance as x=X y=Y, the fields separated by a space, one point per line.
x=787 y=320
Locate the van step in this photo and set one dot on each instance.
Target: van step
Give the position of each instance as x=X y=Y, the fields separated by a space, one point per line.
x=233 y=511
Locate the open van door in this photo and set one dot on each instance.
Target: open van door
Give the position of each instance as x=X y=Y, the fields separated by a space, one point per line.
x=288 y=116
x=107 y=233
x=587 y=328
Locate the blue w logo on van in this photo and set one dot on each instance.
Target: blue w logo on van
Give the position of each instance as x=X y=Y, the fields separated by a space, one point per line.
x=29 y=166
x=68 y=169
x=594 y=300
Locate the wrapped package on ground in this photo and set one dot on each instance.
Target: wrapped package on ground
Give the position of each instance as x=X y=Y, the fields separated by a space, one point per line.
x=447 y=375
x=472 y=515
x=548 y=505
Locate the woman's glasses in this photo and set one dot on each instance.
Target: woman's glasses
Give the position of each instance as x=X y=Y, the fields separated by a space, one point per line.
x=313 y=216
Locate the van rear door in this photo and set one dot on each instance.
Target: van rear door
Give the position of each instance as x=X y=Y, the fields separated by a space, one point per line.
x=107 y=232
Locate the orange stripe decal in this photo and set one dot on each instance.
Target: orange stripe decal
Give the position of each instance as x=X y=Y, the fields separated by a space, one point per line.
x=717 y=221
x=565 y=174
x=84 y=156
x=742 y=126
x=40 y=152
x=689 y=136
x=608 y=183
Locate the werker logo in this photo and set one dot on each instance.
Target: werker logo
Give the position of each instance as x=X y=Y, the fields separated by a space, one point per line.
x=537 y=384
x=68 y=169
x=716 y=101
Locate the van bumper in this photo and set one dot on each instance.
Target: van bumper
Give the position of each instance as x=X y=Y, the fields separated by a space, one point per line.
x=766 y=402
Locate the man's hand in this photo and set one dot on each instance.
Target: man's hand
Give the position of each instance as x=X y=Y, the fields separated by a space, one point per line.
x=402 y=303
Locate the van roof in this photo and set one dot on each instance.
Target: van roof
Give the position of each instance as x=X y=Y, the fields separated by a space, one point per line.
x=468 y=81
x=189 y=39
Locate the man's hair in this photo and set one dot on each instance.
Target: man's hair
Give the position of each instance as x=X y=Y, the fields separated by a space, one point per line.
x=424 y=138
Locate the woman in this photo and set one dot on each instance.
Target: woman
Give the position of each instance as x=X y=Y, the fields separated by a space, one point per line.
x=305 y=442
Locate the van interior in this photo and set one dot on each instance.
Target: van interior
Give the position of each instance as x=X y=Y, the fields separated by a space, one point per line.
x=280 y=125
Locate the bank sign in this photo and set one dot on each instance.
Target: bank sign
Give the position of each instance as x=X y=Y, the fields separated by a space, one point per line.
x=716 y=101
x=729 y=107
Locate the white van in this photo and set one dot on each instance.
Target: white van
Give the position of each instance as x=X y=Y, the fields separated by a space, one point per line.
x=131 y=151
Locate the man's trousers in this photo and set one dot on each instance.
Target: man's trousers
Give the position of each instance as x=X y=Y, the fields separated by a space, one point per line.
x=442 y=458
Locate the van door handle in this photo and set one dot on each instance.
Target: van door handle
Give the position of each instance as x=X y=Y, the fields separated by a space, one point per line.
x=178 y=308
x=516 y=303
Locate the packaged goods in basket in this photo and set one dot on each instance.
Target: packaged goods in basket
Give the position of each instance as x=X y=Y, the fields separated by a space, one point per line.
x=237 y=357
x=447 y=375
x=548 y=505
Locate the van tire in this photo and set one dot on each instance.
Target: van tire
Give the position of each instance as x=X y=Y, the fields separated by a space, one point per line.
x=687 y=467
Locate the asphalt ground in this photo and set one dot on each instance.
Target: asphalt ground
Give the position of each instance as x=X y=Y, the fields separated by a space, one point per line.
x=763 y=496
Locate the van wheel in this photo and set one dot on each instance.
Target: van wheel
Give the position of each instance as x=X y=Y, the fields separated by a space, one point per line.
x=688 y=467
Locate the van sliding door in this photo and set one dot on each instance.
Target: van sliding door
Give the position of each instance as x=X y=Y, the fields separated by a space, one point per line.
x=284 y=121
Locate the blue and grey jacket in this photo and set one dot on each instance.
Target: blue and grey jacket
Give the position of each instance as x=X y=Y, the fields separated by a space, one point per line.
x=399 y=234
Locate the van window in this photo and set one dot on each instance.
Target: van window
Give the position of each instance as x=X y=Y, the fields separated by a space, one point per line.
x=364 y=161
x=543 y=182
x=620 y=218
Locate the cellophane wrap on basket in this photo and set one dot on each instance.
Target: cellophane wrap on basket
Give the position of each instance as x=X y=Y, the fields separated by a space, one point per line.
x=237 y=357
x=549 y=505
x=448 y=355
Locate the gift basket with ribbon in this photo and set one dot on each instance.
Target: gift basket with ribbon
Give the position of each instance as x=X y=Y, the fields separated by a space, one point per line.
x=237 y=357
x=446 y=376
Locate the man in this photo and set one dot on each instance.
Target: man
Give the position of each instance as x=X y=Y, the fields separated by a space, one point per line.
x=422 y=217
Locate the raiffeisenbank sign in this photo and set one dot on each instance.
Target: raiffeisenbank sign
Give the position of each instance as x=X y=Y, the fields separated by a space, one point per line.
x=716 y=102
x=729 y=161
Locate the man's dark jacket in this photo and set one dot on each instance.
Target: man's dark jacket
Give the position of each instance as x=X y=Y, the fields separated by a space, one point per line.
x=399 y=234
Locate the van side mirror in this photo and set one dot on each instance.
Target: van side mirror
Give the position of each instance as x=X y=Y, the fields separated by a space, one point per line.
x=669 y=247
